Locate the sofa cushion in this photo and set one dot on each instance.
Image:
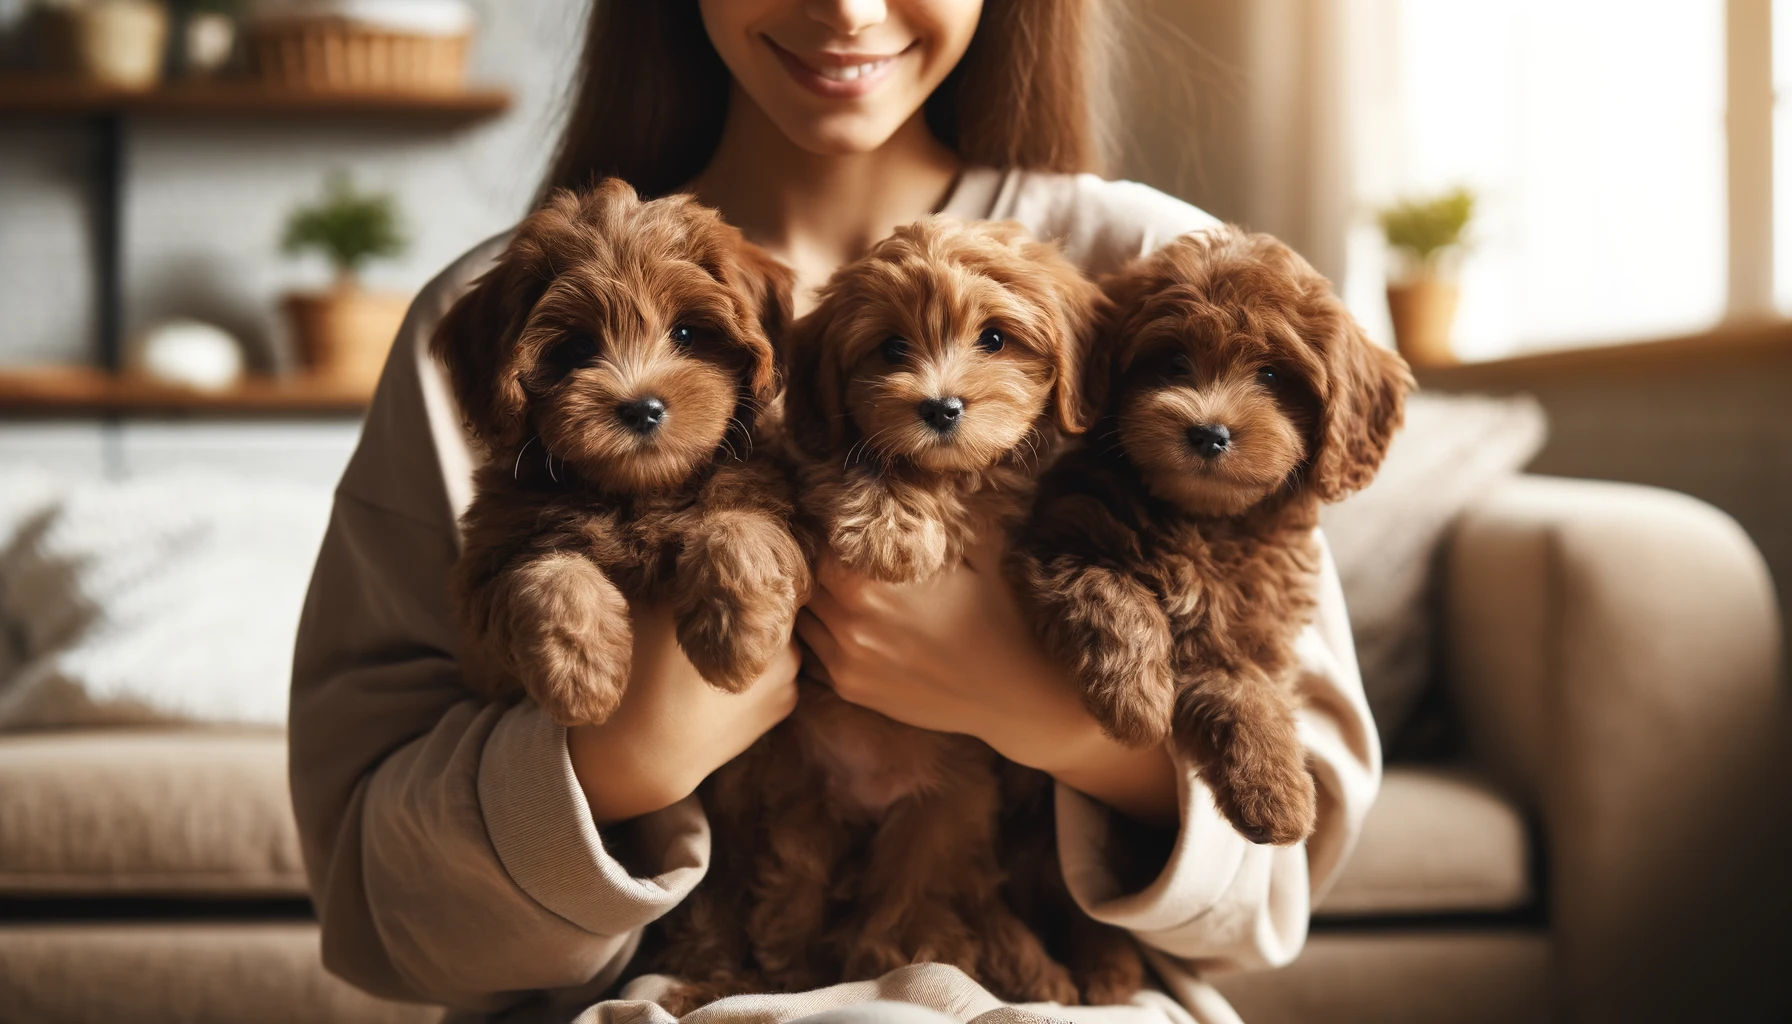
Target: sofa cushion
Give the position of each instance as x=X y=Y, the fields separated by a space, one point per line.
x=1437 y=841
x=147 y=812
x=198 y=972
x=193 y=811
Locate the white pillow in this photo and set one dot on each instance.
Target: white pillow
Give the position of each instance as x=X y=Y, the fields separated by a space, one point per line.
x=1386 y=539
x=173 y=598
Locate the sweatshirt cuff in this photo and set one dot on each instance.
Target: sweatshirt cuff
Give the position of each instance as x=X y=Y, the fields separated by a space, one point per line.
x=541 y=827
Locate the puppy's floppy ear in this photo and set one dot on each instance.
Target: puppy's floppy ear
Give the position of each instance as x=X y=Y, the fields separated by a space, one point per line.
x=767 y=286
x=477 y=338
x=814 y=406
x=1363 y=403
x=1112 y=349
x=1083 y=309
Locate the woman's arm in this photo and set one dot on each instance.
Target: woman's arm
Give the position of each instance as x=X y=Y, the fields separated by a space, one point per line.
x=956 y=655
x=672 y=729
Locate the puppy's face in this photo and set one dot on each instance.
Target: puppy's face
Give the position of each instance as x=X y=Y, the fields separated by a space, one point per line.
x=628 y=339
x=946 y=347
x=1235 y=373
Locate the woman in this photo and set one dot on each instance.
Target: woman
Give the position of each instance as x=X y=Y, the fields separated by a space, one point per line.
x=485 y=858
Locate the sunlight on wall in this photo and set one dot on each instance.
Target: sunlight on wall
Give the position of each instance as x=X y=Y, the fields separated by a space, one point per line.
x=1594 y=131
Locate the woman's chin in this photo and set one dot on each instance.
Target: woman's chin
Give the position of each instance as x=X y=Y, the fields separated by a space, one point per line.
x=842 y=134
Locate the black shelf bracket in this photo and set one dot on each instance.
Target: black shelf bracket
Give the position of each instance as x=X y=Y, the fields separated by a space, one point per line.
x=108 y=235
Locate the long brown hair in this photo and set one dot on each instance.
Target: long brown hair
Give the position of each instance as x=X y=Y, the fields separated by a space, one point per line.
x=653 y=93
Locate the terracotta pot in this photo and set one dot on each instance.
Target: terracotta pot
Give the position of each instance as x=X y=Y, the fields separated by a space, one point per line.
x=120 y=42
x=344 y=334
x=1422 y=310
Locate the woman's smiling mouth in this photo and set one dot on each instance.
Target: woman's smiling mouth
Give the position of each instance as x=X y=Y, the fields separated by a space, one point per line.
x=837 y=75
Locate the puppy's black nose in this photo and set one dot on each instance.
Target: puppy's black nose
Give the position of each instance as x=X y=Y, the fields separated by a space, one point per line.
x=942 y=414
x=643 y=415
x=1209 y=439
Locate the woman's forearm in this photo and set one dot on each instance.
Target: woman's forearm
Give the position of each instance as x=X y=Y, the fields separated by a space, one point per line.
x=1063 y=740
x=1140 y=784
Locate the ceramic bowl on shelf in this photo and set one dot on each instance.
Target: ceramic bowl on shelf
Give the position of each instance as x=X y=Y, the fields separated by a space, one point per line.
x=188 y=353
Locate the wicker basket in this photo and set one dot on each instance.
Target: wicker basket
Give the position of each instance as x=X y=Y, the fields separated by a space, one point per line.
x=336 y=55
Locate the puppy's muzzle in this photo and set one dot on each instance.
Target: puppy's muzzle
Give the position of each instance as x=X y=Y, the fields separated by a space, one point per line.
x=1209 y=439
x=643 y=416
x=942 y=415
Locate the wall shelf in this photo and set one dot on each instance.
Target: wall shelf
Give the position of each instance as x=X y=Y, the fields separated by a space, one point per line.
x=88 y=392
x=108 y=113
x=65 y=97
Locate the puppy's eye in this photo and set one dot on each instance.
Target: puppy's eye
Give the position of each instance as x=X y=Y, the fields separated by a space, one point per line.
x=894 y=349
x=991 y=340
x=1269 y=378
x=572 y=352
x=684 y=335
x=1179 y=365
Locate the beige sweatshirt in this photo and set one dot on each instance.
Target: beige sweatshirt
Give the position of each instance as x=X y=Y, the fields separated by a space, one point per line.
x=451 y=854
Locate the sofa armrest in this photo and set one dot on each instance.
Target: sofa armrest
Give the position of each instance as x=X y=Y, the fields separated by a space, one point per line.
x=1614 y=651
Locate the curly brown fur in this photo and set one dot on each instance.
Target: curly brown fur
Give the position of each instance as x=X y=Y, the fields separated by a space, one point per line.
x=617 y=368
x=1171 y=561
x=875 y=845
x=1103 y=961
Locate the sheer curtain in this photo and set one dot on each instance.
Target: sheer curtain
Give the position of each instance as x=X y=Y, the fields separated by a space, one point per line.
x=1593 y=131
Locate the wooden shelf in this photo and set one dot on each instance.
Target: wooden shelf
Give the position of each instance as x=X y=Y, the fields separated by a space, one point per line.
x=1766 y=344
x=43 y=95
x=83 y=391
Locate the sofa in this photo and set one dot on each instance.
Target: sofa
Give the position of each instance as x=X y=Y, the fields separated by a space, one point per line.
x=1610 y=657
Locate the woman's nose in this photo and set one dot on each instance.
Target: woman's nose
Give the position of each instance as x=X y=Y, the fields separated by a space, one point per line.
x=848 y=17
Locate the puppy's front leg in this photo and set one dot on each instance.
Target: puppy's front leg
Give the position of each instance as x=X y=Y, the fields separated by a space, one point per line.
x=564 y=630
x=1110 y=632
x=741 y=577
x=1239 y=725
x=873 y=531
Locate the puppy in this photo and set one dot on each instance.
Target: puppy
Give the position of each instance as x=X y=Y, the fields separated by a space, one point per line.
x=931 y=377
x=1171 y=561
x=617 y=367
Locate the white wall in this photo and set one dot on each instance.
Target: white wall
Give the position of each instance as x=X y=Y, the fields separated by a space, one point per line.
x=206 y=200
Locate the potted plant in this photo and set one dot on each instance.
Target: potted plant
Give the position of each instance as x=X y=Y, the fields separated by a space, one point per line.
x=345 y=332
x=1426 y=238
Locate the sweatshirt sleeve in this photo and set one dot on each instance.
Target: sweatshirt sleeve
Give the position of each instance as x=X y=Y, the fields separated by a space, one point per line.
x=1221 y=902
x=451 y=854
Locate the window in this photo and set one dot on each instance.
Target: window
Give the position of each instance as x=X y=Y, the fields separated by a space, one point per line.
x=1595 y=133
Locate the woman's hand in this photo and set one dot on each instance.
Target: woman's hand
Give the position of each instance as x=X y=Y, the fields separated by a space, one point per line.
x=672 y=728
x=954 y=654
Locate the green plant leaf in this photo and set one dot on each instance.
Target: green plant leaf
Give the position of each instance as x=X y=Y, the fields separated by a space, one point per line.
x=349 y=228
x=1427 y=227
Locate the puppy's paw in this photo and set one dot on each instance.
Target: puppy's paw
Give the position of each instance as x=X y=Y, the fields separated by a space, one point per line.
x=572 y=639
x=1111 y=633
x=1016 y=966
x=685 y=996
x=923 y=932
x=1261 y=784
x=740 y=582
x=1133 y=707
x=1108 y=968
x=892 y=548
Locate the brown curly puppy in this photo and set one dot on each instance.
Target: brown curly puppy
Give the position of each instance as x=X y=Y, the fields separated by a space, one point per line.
x=616 y=366
x=1171 y=560
x=931 y=376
